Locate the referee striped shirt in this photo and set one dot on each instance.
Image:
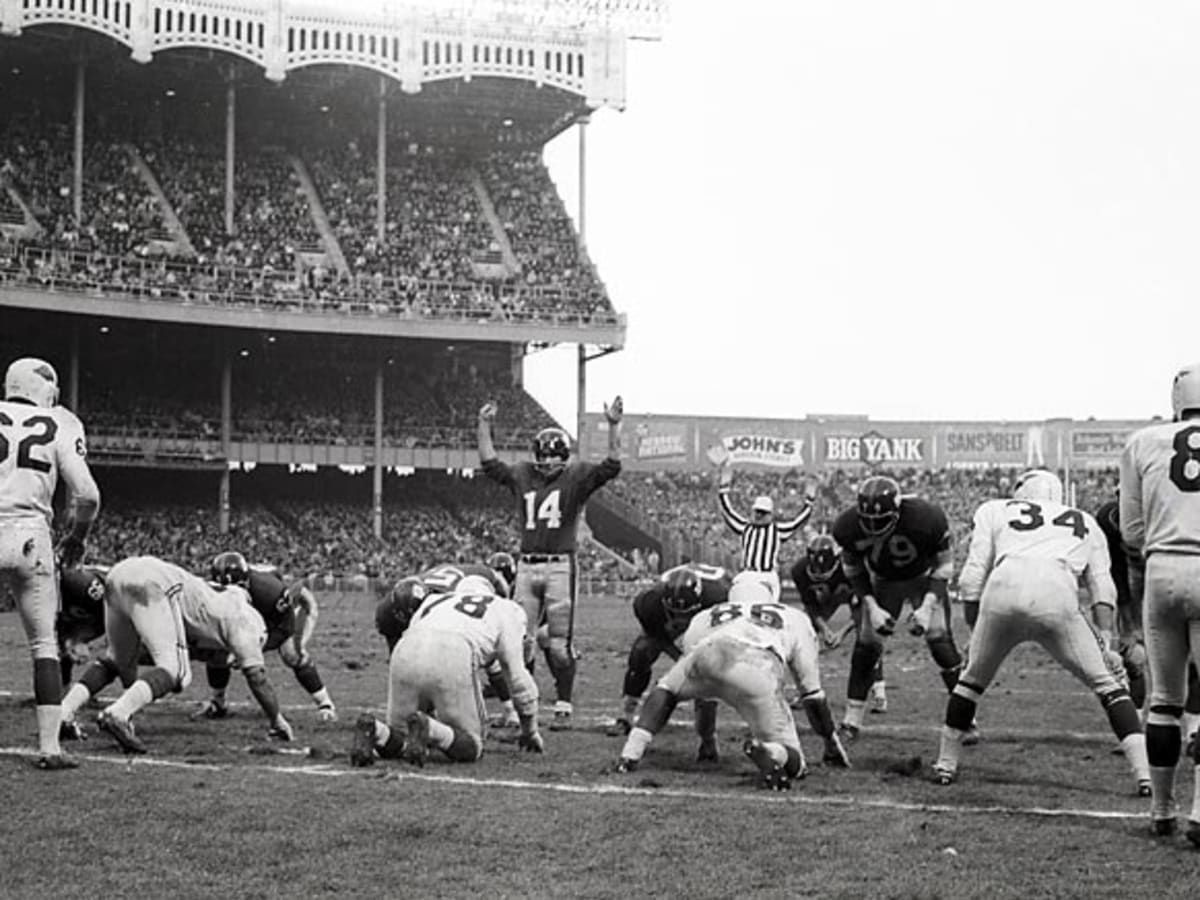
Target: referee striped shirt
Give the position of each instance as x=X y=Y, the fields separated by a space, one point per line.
x=760 y=540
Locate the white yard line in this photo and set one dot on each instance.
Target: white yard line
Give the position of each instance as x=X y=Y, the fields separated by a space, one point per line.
x=797 y=798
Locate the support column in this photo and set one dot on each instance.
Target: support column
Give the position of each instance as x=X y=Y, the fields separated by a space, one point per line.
x=381 y=165
x=73 y=371
x=377 y=482
x=230 y=134
x=581 y=385
x=77 y=180
x=223 y=503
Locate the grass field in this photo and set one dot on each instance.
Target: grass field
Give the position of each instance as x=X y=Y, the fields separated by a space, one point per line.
x=1042 y=809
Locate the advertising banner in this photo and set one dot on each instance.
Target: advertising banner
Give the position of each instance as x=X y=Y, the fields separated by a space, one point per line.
x=902 y=446
x=763 y=449
x=984 y=444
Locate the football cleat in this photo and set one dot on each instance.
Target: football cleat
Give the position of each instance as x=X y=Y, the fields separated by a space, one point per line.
x=55 y=762
x=212 y=709
x=619 y=727
x=561 y=721
x=121 y=730
x=416 y=745
x=943 y=776
x=835 y=753
x=625 y=765
x=708 y=752
x=1193 y=832
x=848 y=733
x=70 y=730
x=879 y=704
x=1144 y=788
x=773 y=776
x=362 y=751
x=1163 y=827
x=327 y=712
x=506 y=720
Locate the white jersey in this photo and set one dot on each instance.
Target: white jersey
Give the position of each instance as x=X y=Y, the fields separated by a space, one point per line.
x=1160 y=489
x=214 y=617
x=36 y=446
x=1027 y=529
x=785 y=631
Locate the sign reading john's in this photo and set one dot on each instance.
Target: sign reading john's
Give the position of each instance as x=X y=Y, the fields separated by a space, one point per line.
x=764 y=449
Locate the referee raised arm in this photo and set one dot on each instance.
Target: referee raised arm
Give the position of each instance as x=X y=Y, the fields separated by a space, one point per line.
x=761 y=534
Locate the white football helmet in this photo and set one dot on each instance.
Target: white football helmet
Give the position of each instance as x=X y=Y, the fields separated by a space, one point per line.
x=474 y=586
x=749 y=590
x=32 y=379
x=1185 y=390
x=1039 y=484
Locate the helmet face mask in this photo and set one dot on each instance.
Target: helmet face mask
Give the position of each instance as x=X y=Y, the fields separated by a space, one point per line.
x=1185 y=390
x=1038 y=485
x=505 y=566
x=822 y=558
x=33 y=380
x=878 y=505
x=551 y=450
x=228 y=568
x=682 y=595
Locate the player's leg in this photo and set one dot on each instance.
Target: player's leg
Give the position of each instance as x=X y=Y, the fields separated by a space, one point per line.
x=751 y=681
x=864 y=660
x=642 y=656
x=678 y=683
x=1166 y=632
x=1072 y=642
x=939 y=638
x=1190 y=720
x=1193 y=825
x=119 y=659
x=501 y=690
x=998 y=630
x=458 y=725
x=158 y=622
x=560 y=646
x=308 y=678
x=373 y=737
x=27 y=568
x=706 y=730
x=218 y=675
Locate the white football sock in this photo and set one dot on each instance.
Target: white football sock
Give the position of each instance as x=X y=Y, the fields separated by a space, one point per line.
x=441 y=735
x=951 y=746
x=1134 y=746
x=637 y=742
x=48 y=718
x=854 y=713
x=131 y=701
x=77 y=695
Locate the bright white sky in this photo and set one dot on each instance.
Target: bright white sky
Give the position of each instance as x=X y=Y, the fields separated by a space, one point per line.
x=903 y=208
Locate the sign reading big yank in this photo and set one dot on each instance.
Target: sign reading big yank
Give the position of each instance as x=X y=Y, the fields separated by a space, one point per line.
x=874 y=448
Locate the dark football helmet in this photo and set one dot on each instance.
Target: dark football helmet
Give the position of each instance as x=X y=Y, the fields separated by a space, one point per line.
x=393 y=615
x=878 y=504
x=505 y=566
x=822 y=556
x=681 y=596
x=551 y=450
x=229 y=567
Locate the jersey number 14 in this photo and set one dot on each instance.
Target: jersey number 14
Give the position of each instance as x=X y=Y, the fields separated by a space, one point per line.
x=547 y=512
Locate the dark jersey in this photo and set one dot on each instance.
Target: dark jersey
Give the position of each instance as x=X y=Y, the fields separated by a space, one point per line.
x=910 y=549
x=821 y=597
x=269 y=595
x=1109 y=518
x=549 y=506
x=81 y=616
x=653 y=616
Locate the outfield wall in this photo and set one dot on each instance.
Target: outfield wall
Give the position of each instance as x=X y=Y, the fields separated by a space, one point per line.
x=684 y=443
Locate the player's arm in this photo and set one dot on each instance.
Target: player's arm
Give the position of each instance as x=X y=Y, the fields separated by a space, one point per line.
x=83 y=494
x=306 y=615
x=1101 y=589
x=510 y=652
x=1133 y=522
x=245 y=644
x=614 y=412
x=981 y=556
x=735 y=520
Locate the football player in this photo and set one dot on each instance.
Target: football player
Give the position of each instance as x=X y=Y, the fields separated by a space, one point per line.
x=394 y=613
x=433 y=667
x=39 y=442
x=1160 y=518
x=739 y=652
x=81 y=617
x=823 y=588
x=156 y=606
x=664 y=611
x=1032 y=552
x=551 y=493
x=290 y=614
x=894 y=550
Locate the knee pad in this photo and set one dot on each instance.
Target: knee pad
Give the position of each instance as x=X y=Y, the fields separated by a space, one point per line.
x=944 y=653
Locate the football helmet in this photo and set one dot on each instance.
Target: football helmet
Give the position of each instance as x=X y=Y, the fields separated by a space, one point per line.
x=505 y=566
x=822 y=556
x=1038 y=484
x=229 y=567
x=681 y=596
x=1185 y=390
x=32 y=379
x=475 y=586
x=393 y=616
x=878 y=504
x=551 y=450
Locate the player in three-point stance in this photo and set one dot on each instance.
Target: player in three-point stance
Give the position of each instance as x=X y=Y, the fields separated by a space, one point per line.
x=740 y=652
x=1160 y=518
x=551 y=492
x=39 y=442
x=1031 y=551
x=434 y=696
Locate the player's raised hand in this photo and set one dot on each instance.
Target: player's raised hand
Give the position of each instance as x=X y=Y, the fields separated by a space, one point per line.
x=487 y=412
x=614 y=411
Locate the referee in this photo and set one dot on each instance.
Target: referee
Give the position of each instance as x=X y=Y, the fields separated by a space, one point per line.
x=760 y=535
